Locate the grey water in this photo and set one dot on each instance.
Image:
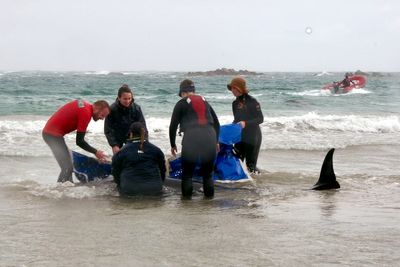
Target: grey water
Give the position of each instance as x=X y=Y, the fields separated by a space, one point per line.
x=274 y=221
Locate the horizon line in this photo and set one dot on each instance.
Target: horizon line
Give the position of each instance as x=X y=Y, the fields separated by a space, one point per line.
x=187 y=71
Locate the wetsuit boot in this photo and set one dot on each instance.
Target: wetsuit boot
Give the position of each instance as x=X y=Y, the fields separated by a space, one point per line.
x=65 y=175
x=187 y=174
x=208 y=187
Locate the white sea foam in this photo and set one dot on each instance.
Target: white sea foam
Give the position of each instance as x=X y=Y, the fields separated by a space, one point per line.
x=322 y=92
x=65 y=190
x=100 y=72
x=359 y=91
x=323 y=73
x=132 y=73
x=21 y=137
x=350 y=123
x=209 y=97
x=313 y=131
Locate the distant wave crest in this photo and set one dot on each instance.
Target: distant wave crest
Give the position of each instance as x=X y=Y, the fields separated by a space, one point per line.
x=310 y=131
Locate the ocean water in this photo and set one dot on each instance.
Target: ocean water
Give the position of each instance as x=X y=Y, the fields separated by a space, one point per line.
x=273 y=222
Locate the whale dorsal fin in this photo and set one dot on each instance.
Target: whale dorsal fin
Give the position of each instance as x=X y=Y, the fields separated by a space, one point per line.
x=327 y=177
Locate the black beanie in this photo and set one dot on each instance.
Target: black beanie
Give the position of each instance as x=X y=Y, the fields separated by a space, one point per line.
x=186 y=86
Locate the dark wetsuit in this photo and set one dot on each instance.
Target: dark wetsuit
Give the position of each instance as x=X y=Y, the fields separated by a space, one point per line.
x=246 y=108
x=117 y=123
x=200 y=125
x=346 y=82
x=139 y=172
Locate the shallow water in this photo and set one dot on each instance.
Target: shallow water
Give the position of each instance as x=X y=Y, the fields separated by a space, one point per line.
x=274 y=221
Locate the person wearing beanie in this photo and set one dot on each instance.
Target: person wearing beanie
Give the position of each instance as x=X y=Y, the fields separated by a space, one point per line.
x=247 y=112
x=139 y=167
x=200 y=125
x=124 y=112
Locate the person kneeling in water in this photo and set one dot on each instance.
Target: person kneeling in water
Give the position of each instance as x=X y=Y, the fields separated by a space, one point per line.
x=139 y=167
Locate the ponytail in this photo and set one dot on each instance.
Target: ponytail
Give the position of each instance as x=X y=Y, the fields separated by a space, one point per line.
x=142 y=134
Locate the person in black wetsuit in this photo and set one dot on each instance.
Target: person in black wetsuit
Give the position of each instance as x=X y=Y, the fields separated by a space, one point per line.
x=123 y=113
x=200 y=125
x=247 y=112
x=346 y=81
x=139 y=167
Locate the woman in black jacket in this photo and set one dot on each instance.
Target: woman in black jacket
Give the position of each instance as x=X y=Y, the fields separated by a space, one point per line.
x=139 y=167
x=247 y=112
x=123 y=112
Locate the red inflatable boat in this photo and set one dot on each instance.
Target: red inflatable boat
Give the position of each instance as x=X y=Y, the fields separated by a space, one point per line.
x=357 y=81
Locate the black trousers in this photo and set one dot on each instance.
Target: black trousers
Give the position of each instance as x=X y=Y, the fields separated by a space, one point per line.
x=249 y=148
x=61 y=153
x=198 y=147
x=132 y=187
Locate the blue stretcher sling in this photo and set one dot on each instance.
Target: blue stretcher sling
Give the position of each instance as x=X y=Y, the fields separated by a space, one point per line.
x=87 y=169
x=227 y=165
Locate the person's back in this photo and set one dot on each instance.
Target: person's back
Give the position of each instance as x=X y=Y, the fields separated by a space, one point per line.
x=200 y=125
x=139 y=170
x=74 y=115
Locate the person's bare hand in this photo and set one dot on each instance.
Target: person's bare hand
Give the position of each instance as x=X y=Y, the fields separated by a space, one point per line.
x=174 y=151
x=101 y=156
x=115 y=149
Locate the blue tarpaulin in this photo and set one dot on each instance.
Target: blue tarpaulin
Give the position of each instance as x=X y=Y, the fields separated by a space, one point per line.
x=227 y=165
x=87 y=169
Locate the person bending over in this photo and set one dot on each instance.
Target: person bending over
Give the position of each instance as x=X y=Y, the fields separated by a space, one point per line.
x=74 y=115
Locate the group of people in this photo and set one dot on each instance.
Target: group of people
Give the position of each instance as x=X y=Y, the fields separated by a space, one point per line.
x=138 y=166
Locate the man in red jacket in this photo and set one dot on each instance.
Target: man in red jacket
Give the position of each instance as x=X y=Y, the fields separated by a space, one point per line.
x=74 y=115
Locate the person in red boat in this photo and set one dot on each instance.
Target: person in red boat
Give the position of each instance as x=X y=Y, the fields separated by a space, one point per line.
x=346 y=81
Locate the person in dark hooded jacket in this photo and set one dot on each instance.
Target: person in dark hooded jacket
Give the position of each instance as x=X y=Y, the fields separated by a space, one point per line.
x=139 y=167
x=123 y=112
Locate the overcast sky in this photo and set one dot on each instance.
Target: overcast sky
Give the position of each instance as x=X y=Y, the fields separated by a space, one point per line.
x=186 y=35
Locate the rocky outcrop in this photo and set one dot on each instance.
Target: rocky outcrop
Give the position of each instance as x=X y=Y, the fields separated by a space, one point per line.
x=372 y=74
x=222 y=71
x=359 y=72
